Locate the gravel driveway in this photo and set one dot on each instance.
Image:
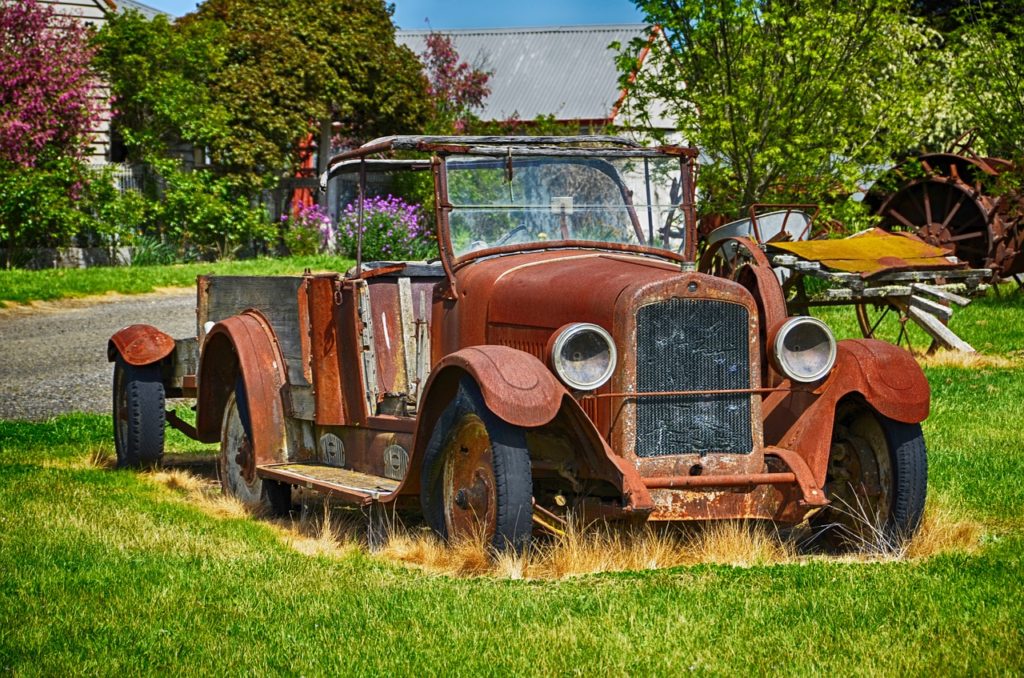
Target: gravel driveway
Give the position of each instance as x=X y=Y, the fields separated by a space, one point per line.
x=54 y=356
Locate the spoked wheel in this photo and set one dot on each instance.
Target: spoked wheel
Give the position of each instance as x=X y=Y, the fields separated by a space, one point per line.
x=876 y=482
x=138 y=414
x=890 y=321
x=476 y=481
x=237 y=465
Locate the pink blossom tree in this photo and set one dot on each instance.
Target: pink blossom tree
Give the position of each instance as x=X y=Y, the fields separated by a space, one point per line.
x=47 y=105
x=455 y=87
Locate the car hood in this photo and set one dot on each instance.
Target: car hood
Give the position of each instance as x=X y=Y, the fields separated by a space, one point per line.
x=550 y=289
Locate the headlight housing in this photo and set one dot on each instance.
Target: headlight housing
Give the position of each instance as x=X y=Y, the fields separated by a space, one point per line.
x=804 y=349
x=583 y=356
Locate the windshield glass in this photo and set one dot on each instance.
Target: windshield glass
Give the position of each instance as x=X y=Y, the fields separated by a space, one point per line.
x=499 y=202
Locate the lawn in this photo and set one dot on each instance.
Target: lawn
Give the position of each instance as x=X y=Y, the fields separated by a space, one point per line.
x=19 y=286
x=111 y=572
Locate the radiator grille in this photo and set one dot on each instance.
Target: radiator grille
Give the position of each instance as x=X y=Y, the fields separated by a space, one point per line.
x=692 y=345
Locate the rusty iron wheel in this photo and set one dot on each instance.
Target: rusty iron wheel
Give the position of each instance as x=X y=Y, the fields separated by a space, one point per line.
x=889 y=322
x=476 y=483
x=237 y=465
x=876 y=482
x=138 y=414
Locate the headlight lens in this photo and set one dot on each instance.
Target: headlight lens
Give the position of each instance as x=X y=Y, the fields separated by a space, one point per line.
x=805 y=349
x=583 y=356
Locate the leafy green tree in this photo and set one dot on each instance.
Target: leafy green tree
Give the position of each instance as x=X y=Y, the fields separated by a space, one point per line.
x=986 y=64
x=788 y=100
x=249 y=80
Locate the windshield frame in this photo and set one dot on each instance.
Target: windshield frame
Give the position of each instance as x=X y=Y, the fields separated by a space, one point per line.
x=592 y=148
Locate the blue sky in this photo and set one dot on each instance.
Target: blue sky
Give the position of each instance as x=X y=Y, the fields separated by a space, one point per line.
x=412 y=14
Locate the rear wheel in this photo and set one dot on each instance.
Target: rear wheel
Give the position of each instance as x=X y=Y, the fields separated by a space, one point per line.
x=476 y=481
x=237 y=468
x=876 y=482
x=138 y=414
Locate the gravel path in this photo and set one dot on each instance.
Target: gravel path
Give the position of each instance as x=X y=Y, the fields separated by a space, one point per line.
x=54 y=355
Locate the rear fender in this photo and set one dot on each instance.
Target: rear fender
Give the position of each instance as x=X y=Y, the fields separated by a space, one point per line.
x=885 y=377
x=243 y=346
x=140 y=345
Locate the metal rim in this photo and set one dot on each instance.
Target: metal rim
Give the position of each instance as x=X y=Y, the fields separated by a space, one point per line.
x=945 y=212
x=860 y=474
x=237 y=463
x=470 y=490
x=565 y=336
x=880 y=320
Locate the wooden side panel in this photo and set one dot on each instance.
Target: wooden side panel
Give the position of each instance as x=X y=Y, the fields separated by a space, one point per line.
x=276 y=297
x=325 y=353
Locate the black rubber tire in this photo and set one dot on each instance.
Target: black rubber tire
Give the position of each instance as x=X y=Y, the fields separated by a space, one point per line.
x=910 y=465
x=511 y=466
x=908 y=489
x=138 y=415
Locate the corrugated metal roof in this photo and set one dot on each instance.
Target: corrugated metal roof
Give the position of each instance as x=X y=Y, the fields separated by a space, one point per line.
x=144 y=10
x=565 y=71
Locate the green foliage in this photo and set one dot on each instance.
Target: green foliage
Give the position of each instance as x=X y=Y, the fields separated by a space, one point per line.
x=204 y=215
x=248 y=81
x=39 y=206
x=160 y=76
x=984 y=80
x=789 y=102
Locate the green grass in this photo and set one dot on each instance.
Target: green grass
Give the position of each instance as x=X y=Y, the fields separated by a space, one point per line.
x=106 y=572
x=21 y=287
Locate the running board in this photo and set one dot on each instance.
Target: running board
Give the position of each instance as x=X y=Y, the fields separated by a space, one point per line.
x=351 y=486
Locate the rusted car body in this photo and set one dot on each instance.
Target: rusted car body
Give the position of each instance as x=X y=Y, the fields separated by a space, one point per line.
x=562 y=355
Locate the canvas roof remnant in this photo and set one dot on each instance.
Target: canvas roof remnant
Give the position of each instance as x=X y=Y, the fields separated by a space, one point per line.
x=565 y=71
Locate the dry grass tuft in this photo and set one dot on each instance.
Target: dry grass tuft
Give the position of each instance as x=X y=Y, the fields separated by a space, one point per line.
x=945 y=530
x=101 y=457
x=945 y=358
x=733 y=542
x=325 y=530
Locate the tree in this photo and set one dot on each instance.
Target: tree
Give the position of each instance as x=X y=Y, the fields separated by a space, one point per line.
x=986 y=58
x=455 y=87
x=47 y=109
x=788 y=100
x=248 y=80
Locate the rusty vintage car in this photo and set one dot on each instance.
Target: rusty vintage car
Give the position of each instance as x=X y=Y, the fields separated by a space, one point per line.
x=564 y=354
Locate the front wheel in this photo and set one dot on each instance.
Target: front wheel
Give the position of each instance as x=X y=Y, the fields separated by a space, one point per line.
x=476 y=482
x=876 y=482
x=237 y=467
x=138 y=414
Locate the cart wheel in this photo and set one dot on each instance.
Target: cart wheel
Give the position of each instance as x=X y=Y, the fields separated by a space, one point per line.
x=890 y=322
x=138 y=414
x=476 y=477
x=876 y=482
x=237 y=465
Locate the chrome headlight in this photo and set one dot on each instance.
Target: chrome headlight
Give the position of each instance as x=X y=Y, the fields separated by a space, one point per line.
x=583 y=356
x=804 y=349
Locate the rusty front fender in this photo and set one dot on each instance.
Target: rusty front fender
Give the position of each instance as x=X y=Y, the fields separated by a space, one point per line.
x=140 y=345
x=519 y=389
x=243 y=345
x=885 y=377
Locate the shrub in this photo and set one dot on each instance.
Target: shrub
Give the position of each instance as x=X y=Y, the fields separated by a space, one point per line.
x=39 y=205
x=206 y=216
x=392 y=229
x=309 y=231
